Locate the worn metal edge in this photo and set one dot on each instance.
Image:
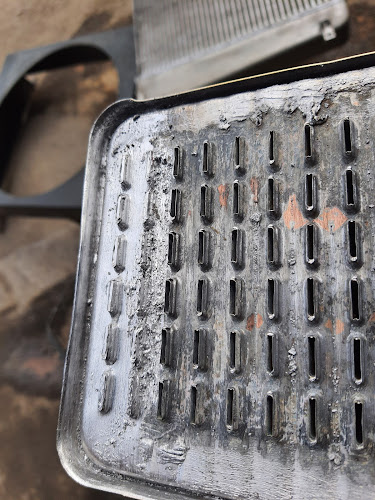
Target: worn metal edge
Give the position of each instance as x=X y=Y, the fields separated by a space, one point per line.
x=69 y=445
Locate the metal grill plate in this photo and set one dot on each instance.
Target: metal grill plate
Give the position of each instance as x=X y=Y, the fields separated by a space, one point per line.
x=223 y=331
x=186 y=44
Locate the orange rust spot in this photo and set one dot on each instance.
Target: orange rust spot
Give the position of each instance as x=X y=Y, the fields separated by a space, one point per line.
x=254 y=186
x=223 y=195
x=372 y=317
x=293 y=217
x=250 y=322
x=331 y=219
x=259 y=321
x=328 y=324
x=254 y=320
x=339 y=327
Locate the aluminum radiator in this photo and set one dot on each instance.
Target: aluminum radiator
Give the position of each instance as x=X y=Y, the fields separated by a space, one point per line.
x=186 y=44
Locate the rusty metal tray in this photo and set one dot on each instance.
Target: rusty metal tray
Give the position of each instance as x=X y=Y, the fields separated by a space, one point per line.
x=222 y=342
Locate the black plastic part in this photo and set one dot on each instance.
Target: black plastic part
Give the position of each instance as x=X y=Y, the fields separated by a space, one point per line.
x=116 y=45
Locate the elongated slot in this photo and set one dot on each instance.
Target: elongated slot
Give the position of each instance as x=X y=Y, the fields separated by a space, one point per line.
x=353 y=240
x=357 y=362
x=201 y=245
x=206 y=203
x=237 y=151
x=170 y=247
x=193 y=406
x=272 y=147
x=196 y=347
x=234 y=245
x=164 y=339
x=308 y=148
x=270 y=352
x=167 y=297
x=312 y=418
x=349 y=188
x=347 y=136
x=236 y=298
x=177 y=163
x=237 y=248
x=204 y=248
x=354 y=288
x=309 y=191
x=232 y=355
x=173 y=250
x=200 y=297
x=203 y=200
x=270 y=246
x=232 y=297
x=311 y=342
x=230 y=407
x=269 y=415
x=271 y=195
x=271 y=298
x=170 y=297
x=310 y=243
x=207 y=161
x=358 y=422
x=160 y=401
x=310 y=298
x=175 y=205
x=236 y=199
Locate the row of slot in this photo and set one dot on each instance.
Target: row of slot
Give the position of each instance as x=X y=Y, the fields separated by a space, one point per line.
x=237 y=299
x=115 y=293
x=350 y=202
x=237 y=351
x=347 y=137
x=271 y=418
x=273 y=251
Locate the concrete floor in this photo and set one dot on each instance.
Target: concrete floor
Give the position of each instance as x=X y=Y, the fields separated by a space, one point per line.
x=38 y=257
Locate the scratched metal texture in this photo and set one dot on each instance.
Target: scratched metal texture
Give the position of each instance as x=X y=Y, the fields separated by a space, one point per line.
x=296 y=421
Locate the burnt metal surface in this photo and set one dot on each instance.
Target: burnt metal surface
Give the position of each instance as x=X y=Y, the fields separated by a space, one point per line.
x=185 y=45
x=15 y=91
x=222 y=339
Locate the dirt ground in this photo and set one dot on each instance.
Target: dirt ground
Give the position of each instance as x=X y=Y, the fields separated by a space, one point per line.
x=38 y=256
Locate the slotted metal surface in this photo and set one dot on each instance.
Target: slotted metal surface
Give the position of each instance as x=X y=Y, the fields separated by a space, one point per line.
x=185 y=44
x=225 y=301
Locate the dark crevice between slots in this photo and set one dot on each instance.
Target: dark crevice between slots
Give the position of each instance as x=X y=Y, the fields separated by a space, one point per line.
x=310 y=298
x=230 y=407
x=193 y=406
x=270 y=246
x=357 y=362
x=354 y=288
x=177 y=163
x=347 y=136
x=358 y=422
x=160 y=401
x=269 y=415
x=272 y=147
x=308 y=148
x=312 y=418
x=312 y=356
x=353 y=240
x=270 y=354
x=163 y=346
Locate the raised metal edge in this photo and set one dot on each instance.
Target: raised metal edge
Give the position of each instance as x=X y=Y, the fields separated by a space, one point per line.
x=69 y=444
